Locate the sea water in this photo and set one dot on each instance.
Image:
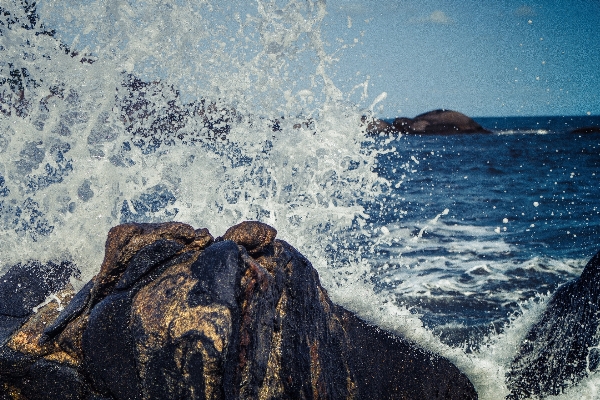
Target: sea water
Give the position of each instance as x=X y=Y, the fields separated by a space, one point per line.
x=212 y=113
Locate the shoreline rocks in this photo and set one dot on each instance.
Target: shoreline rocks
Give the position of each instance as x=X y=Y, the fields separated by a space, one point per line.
x=175 y=313
x=562 y=347
x=441 y=122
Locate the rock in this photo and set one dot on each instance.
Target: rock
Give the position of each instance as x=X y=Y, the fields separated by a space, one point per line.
x=432 y=122
x=403 y=125
x=562 y=347
x=586 y=129
x=174 y=314
x=253 y=236
x=23 y=287
x=376 y=126
x=439 y=122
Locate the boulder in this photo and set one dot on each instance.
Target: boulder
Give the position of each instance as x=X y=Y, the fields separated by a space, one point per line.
x=174 y=313
x=562 y=347
x=432 y=122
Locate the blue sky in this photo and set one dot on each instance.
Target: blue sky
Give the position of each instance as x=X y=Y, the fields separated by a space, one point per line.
x=483 y=58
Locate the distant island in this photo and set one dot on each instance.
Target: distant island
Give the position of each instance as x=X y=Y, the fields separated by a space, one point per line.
x=433 y=122
x=587 y=129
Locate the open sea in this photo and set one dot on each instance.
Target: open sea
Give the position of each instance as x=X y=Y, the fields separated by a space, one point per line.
x=212 y=113
x=474 y=224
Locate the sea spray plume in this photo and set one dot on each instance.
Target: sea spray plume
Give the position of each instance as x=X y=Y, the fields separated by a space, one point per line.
x=135 y=132
x=562 y=348
x=22 y=31
x=154 y=114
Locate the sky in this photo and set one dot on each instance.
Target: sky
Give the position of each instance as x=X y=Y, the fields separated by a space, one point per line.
x=482 y=58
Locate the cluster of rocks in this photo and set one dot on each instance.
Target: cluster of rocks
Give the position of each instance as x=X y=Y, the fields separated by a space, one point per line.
x=175 y=313
x=432 y=122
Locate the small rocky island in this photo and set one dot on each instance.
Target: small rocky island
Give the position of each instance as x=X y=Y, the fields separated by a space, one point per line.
x=586 y=130
x=442 y=122
x=176 y=314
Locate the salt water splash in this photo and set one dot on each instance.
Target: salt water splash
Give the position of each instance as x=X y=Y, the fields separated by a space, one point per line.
x=193 y=111
x=205 y=112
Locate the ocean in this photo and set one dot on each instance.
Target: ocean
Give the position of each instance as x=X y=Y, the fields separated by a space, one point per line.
x=474 y=224
x=200 y=113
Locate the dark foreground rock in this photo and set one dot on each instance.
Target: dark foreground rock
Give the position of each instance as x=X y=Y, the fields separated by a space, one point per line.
x=562 y=348
x=25 y=286
x=433 y=122
x=175 y=314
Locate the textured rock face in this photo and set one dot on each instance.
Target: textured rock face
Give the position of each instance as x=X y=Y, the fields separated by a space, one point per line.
x=175 y=314
x=562 y=348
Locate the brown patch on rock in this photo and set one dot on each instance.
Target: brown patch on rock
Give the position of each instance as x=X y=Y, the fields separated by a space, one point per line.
x=202 y=240
x=319 y=387
x=162 y=311
x=254 y=236
x=12 y=392
x=26 y=339
x=69 y=340
x=125 y=240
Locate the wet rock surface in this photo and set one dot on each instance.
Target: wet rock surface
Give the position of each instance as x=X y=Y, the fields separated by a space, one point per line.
x=562 y=347
x=25 y=286
x=174 y=313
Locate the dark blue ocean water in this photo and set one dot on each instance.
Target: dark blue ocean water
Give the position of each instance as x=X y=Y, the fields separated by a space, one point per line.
x=473 y=224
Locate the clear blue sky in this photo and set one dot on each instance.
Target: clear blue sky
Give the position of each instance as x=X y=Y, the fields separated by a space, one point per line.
x=483 y=58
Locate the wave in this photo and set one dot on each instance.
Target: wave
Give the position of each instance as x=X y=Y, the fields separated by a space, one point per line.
x=523 y=132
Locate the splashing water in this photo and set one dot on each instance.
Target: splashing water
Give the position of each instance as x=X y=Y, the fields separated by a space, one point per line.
x=192 y=111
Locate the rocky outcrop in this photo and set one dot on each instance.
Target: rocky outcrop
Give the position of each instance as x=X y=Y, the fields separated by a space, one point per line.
x=432 y=122
x=562 y=347
x=174 y=313
x=586 y=129
x=374 y=126
x=444 y=122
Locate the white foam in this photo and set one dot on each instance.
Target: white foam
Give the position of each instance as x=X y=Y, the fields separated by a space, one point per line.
x=303 y=180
